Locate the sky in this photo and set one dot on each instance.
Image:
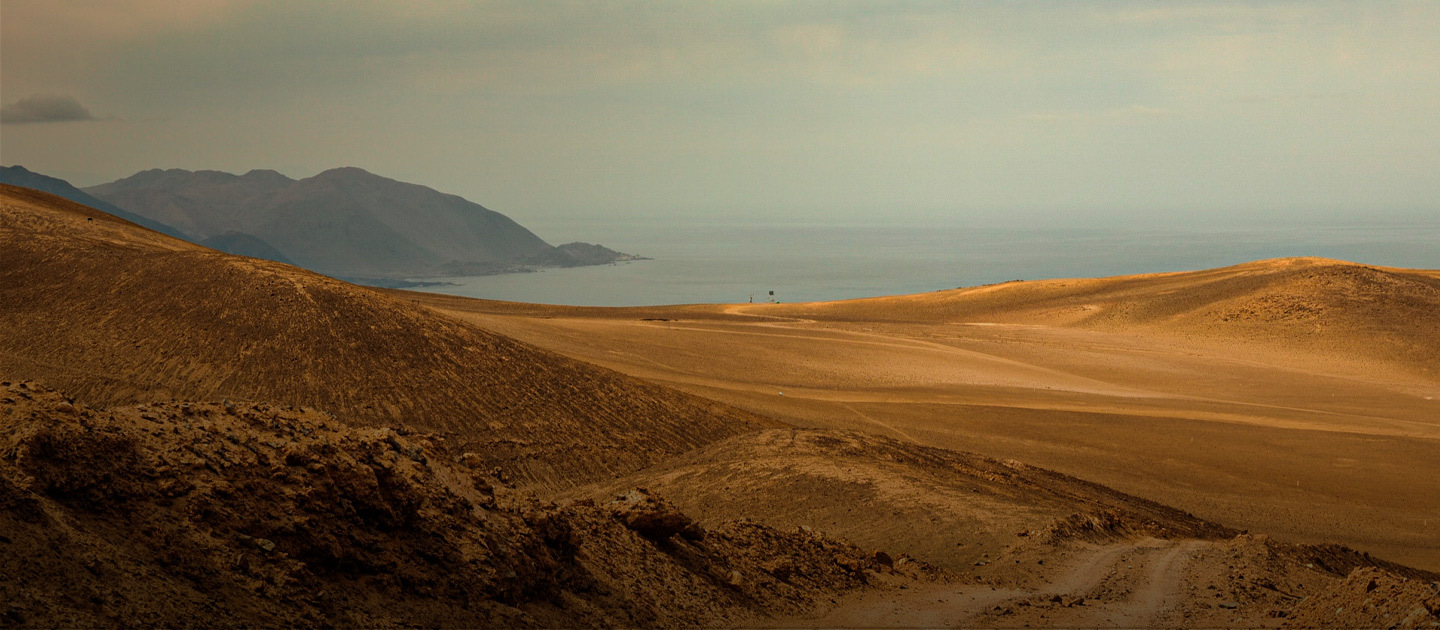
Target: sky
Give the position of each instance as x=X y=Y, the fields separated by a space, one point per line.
x=833 y=111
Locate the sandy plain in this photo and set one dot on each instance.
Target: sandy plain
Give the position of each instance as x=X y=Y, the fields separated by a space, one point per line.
x=1272 y=400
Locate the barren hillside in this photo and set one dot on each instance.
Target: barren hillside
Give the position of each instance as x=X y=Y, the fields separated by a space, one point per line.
x=226 y=514
x=948 y=508
x=117 y=314
x=1315 y=304
x=242 y=515
x=1312 y=430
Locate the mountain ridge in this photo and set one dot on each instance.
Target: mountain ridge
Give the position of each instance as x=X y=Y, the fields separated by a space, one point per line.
x=346 y=222
x=18 y=175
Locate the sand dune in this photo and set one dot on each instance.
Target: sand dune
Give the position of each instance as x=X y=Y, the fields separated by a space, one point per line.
x=116 y=314
x=1288 y=306
x=1209 y=391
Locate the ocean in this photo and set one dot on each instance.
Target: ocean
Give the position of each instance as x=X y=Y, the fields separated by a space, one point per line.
x=712 y=263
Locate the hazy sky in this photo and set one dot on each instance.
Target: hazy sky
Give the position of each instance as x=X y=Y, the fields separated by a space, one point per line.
x=831 y=110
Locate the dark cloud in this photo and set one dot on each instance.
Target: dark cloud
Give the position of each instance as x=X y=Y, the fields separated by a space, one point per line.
x=42 y=109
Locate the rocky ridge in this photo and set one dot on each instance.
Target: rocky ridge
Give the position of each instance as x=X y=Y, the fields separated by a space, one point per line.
x=235 y=513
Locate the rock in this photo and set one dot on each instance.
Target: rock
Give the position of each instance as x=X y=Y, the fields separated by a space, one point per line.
x=65 y=408
x=852 y=565
x=653 y=517
x=297 y=455
x=780 y=568
x=1229 y=605
x=735 y=579
x=265 y=544
x=472 y=460
x=883 y=558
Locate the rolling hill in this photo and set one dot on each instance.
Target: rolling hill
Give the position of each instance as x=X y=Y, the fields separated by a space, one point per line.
x=20 y=176
x=1207 y=391
x=241 y=515
x=1295 y=303
x=948 y=508
x=244 y=245
x=300 y=449
x=117 y=314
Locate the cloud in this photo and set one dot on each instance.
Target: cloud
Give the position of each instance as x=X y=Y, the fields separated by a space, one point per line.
x=43 y=109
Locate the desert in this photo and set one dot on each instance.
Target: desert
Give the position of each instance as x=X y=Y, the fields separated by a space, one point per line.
x=944 y=459
x=562 y=314
x=1295 y=397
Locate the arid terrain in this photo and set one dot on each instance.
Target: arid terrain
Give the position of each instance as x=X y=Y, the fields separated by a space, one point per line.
x=189 y=437
x=1294 y=397
x=118 y=315
x=253 y=515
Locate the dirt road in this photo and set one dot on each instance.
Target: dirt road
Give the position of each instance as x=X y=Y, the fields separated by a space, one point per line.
x=1137 y=584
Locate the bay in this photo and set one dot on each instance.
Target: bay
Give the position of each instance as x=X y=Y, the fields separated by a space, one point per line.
x=710 y=263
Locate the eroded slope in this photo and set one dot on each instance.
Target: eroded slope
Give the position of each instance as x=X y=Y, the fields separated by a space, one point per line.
x=949 y=508
x=231 y=514
x=117 y=314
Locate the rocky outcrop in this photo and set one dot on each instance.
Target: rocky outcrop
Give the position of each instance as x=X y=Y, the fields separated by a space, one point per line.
x=653 y=517
x=243 y=514
x=1371 y=597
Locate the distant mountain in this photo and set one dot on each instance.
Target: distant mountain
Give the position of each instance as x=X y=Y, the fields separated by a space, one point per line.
x=579 y=255
x=245 y=245
x=345 y=222
x=118 y=315
x=582 y=254
x=201 y=203
x=20 y=176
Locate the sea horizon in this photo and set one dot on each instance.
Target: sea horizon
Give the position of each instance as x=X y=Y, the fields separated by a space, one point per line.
x=711 y=263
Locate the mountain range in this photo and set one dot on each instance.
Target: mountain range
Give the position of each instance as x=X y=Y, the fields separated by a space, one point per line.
x=344 y=222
